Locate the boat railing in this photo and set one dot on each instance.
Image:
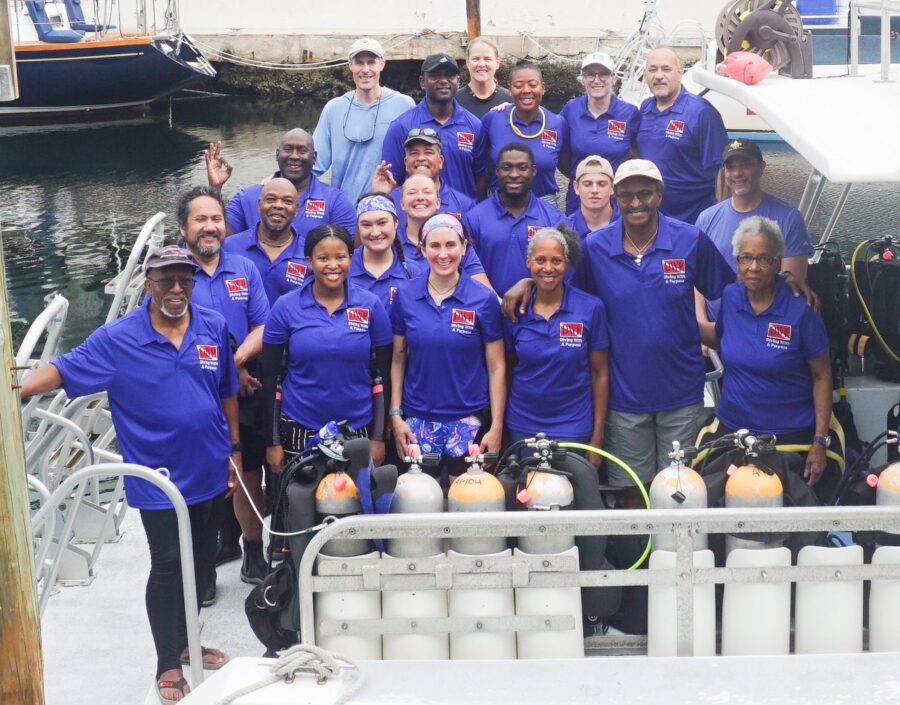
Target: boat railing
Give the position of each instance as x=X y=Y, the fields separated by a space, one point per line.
x=44 y=518
x=887 y=8
x=454 y=571
x=127 y=287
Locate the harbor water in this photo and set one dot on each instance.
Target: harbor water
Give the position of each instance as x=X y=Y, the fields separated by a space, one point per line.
x=73 y=198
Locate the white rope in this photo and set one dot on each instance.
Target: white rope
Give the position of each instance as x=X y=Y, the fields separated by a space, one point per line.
x=265 y=527
x=308 y=660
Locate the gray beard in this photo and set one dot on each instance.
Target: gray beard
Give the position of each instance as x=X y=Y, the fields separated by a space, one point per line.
x=174 y=316
x=205 y=252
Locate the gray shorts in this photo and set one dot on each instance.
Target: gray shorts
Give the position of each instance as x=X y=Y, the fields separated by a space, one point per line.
x=644 y=441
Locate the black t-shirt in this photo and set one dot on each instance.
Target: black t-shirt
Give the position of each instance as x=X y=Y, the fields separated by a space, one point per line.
x=478 y=106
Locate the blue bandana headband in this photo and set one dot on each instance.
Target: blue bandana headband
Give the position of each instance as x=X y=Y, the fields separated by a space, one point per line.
x=375 y=203
x=442 y=220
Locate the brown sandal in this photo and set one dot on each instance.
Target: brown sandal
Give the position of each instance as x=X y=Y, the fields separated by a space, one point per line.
x=180 y=685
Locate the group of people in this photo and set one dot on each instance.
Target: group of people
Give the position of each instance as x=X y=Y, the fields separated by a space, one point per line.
x=434 y=293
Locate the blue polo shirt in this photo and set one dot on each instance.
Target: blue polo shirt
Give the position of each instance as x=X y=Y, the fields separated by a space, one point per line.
x=720 y=222
x=235 y=290
x=654 y=352
x=328 y=356
x=279 y=277
x=321 y=204
x=166 y=404
x=446 y=374
x=686 y=142
x=576 y=223
x=547 y=146
x=462 y=144
x=611 y=135
x=767 y=386
x=452 y=201
x=385 y=286
x=501 y=240
x=551 y=382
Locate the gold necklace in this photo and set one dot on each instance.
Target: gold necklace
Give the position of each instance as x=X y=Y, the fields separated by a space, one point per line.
x=640 y=250
x=277 y=245
x=521 y=134
x=438 y=291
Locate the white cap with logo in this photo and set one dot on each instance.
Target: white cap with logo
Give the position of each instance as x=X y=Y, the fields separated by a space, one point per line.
x=366 y=44
x=598 y=57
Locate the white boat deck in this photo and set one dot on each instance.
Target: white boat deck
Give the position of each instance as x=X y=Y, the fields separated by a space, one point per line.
x=96 y=639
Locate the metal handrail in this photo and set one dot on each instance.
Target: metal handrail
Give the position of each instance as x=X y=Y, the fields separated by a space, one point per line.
x=887 y=8
x=683 y=524
x=158 y=478
x=151 y=235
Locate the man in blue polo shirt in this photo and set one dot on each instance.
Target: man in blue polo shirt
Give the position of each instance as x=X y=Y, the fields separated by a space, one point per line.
x=644 y=266
x=168 y=371
x=422 y=155
x=501 y=225
x=272 y=244
x=593 y=192
x=317 y=202
x=743 y=168
x=460 y=132
x=683 y=135
x=231 y=285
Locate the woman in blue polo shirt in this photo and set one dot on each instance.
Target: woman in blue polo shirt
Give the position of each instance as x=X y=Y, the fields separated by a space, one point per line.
x=528 y=122
x=380 y=265
x=775 y=351
x=557 y=351
x=448 y=371
x=419 y=200
x=327 y=333
x=597 y=122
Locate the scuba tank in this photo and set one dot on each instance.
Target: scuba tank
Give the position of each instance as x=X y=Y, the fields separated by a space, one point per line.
x=546 y=489
x=751 y=486
x=678 y=487
x=479 y=491
x=416 y=492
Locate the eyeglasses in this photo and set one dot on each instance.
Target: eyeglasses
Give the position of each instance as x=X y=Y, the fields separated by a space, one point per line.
x=764 y=261
x=167 y=283
x=628 y=196
x=422 y=132
x=347 y=118
x=596 y=76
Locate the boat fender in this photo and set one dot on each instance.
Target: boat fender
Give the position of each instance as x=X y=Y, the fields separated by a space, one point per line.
x=744 y=66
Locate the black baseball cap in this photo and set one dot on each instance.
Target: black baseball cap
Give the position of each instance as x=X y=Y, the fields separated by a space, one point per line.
x=745 y=148
x=436 y=61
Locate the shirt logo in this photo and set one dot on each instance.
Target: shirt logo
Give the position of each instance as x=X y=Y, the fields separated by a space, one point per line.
x=675 y=129
x=548 y=139
x=208 y=356
x=458 y=216
x=674 y=271
x=465 y=141
x=392 y=294
x=615 y=129
x=462 y=321
x=296 y=272
x=315 y=209
x=237 y=288
x=532 y=230
x=779 y=336
x=358 y=319
x=571 y=335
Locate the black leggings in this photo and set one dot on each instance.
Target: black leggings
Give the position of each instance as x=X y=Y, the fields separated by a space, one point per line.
x=164 y=595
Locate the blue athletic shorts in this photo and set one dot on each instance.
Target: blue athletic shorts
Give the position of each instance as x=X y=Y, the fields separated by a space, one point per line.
x=449 y=438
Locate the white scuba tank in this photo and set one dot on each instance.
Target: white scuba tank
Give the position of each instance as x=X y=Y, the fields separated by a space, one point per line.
x=338 y=496
x=677 y=487
x=546 y=491
x=416 y=492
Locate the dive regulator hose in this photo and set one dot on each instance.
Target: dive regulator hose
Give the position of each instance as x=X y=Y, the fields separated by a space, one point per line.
x=862 y=299
x=631 y=473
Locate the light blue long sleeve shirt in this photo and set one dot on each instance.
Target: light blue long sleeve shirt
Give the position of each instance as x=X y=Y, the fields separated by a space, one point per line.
x=349 y=137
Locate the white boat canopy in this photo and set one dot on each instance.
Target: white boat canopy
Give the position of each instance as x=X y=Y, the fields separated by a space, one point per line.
x=845 y=127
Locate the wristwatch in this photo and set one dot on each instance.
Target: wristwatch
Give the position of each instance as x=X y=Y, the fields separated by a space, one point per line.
x=395 y=411
x=822 y=440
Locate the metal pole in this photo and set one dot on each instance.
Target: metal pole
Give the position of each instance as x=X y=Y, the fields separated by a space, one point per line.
x=854 y=39
x=21 y=663
x=885 y=42
x=8 y=54
x=473 y=18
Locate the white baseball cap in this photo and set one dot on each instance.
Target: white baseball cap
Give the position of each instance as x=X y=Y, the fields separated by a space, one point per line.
x=594 y=164
x=366 y=44
x=637 y=167
x=598 y=57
